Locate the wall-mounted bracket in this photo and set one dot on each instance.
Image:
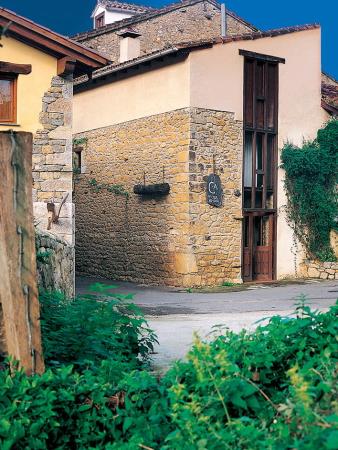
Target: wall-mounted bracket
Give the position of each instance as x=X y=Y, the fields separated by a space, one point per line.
x=53 y=216
x=152 y=190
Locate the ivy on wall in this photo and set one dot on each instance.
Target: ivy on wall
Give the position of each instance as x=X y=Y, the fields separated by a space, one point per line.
x=116 y=189
x=311 y=176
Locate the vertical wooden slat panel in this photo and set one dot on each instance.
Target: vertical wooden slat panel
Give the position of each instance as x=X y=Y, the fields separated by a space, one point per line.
x=248 y=92
x=18 y=286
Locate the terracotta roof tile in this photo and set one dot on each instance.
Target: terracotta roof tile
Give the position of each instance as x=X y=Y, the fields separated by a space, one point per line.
x=49 y=41
x=329 y=85
x=268 y=33
x=125 y=6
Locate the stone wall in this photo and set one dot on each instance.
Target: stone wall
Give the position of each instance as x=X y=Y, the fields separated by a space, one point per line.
x=216 y=233
x=194 y=22
x=135 y=238
x=52 y=158
x=176 y=240
x=318 y=269
x=55 y=264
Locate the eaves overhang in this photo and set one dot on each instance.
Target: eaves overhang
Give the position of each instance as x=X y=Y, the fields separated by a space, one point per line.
x=144 y=63
x=54 y=44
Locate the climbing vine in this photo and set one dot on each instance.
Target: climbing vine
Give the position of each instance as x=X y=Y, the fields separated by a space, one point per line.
x=311 y=176
x=79 y=141
x=116 y=189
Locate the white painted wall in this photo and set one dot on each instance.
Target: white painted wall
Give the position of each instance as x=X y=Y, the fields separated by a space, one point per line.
x=112 y=16
x=217 y=83
x=213 y=78
x=147 y=94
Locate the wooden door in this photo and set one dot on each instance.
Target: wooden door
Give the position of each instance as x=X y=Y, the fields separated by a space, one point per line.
x=260 y=170
x=258 y=246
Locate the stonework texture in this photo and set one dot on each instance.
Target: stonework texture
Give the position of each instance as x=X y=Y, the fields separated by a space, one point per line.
x=216 y=146
x=319 y=269
x=176 y=240
x=52 y=158
x=198 y=21
x=324 y=270
x=55 y=264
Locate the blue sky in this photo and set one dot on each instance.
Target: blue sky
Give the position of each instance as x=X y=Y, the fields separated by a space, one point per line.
x=71 y=16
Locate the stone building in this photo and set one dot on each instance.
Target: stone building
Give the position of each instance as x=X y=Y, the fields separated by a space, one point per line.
x=36 y=91
x=188 y=20
x=185 y=109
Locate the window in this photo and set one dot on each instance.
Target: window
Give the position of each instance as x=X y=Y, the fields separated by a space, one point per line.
x=8 y=98
x=77 y=160
x=99 y=20
x=260 y=131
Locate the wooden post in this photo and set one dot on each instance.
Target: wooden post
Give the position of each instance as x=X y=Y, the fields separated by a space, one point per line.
x=18 y=285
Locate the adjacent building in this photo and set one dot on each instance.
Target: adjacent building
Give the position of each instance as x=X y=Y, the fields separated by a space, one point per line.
x=169 y=148
x=186 y=110
x=37 y=67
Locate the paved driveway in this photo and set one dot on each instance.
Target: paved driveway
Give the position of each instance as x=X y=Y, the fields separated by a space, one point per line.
x=175 y=315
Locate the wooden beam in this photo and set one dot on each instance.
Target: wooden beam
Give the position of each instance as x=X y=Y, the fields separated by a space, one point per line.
x=261 y=56
x=19 y=69
x=66 y=66
x=40 y=37
x=18 y=285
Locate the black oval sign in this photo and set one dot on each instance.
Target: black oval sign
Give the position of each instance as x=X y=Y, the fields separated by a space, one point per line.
x=214 y=190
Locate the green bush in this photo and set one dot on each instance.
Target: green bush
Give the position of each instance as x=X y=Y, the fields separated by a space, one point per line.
x=311 y=176
x=93 y=327
x=275 y=388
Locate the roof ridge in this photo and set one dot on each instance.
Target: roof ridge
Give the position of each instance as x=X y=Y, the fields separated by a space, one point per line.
x=150 y=14
x=185 y=47
x=118 y=3
x=330 y=76
x=268 y=33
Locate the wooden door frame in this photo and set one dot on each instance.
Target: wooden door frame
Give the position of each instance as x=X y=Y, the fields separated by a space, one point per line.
x=266 y=131
x=273 y=242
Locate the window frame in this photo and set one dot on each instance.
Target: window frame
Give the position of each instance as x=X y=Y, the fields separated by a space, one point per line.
x=14 y=84
x=251 y=126
x=98 y=19
x=78 y=158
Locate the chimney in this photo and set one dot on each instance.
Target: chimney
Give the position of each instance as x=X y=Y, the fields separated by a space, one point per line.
x=223 y=21
x=129 y=45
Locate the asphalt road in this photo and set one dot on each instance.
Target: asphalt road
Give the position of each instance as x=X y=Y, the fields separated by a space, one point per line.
x=176 y=315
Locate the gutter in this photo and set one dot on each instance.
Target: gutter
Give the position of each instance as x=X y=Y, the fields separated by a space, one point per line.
x=133 y=62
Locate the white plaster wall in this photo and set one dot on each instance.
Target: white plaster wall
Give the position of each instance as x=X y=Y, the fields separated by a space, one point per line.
x=112 y=16
x=146 y=94
x=217 y=83
x=213 y=78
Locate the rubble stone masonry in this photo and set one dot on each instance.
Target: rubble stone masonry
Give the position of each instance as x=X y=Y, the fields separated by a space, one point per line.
x=195 y=22
x=55 y=264
x=176 y=240
x=216 y=233
x=318 y=269
x=52 y=158
x=53 y=182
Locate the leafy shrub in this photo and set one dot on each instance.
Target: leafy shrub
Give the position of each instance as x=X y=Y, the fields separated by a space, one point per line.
x=311 y=176
x=275 y=388
x=93 y=327
x=59 y=409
